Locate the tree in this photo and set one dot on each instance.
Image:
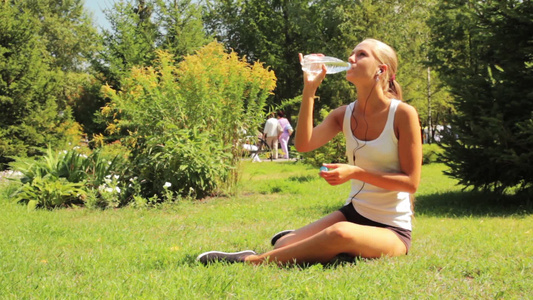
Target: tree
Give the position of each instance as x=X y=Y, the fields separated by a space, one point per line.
x=262 y=31
x=130 y=42
x=138 y=27
x=181 y=22
x=483 y=50
x=66 y=29
x=70 y=39
x=31 y=116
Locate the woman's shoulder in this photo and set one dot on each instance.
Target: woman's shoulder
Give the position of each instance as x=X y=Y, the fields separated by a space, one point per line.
x=405 y=110
x=406 y=114
x=339 y=112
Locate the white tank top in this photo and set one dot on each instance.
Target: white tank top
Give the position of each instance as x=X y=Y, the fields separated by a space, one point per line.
x=372 y=202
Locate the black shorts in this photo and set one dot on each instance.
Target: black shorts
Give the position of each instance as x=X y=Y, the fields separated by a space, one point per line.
x=353 y=216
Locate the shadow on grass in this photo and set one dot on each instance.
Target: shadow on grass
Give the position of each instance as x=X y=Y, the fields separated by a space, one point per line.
x=469 y=203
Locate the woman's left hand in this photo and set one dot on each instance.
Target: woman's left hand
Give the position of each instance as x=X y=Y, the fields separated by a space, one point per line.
x=339 y=173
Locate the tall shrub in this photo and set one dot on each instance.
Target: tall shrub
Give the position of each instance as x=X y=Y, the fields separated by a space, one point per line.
x=204 y=103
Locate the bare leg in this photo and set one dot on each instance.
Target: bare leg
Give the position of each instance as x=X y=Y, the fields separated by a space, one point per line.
x=310 y=230
x=341 y=237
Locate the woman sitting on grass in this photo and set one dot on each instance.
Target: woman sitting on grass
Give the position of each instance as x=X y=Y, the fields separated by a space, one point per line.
x=384 y=151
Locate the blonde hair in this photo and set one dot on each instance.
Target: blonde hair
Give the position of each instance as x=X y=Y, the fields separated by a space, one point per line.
x=384 y=54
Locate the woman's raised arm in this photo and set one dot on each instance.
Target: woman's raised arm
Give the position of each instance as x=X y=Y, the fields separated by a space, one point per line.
x=307 y=136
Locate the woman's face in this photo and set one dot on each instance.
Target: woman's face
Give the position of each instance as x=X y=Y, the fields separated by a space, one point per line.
x=364 y=65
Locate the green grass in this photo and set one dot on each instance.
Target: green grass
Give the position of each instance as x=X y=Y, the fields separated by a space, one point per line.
x=463 y=246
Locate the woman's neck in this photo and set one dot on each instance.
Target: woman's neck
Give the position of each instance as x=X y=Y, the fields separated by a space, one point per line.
x=371 y=98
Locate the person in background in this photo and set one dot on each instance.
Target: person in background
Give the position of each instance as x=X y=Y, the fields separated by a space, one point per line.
x=286 y=134
x=271 y=133
x=384 y=165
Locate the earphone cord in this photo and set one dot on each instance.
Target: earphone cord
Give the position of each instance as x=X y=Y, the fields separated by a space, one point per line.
x=365 y=139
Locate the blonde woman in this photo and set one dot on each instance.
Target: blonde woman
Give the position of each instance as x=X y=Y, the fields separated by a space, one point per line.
x=384 y=152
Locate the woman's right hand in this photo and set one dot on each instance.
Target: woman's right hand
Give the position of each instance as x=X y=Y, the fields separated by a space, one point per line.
x=313 y=80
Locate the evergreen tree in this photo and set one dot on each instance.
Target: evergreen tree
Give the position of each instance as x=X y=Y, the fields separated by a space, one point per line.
x=30 y=117
x=182 y=27
x=131 y=41
x=483 y=49
x=139 y=27
x=67 y=31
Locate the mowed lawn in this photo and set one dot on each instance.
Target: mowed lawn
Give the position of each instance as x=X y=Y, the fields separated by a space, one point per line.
x=464 y=246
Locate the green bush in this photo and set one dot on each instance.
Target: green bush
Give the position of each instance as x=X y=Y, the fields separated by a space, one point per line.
x=61 y=178
x=194 y=163
x=49 y=192
x=70 y=165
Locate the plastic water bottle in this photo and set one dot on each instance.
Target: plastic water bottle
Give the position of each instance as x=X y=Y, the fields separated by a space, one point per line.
x=312 y=64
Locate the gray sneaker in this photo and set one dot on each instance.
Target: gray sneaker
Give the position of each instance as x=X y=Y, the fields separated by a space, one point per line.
x=228 y=257
x=279 y=235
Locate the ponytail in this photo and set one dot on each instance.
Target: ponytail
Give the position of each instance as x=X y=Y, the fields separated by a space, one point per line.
x=394 y=90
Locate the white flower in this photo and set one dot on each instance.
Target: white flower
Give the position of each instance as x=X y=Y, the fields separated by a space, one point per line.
x=108 y=177
x=167 y=185
x=117 y=189
x=116 y=177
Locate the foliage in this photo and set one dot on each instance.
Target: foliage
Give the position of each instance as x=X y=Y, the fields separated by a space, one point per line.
x=74 y=175
x=194 y=163
x=66 y=29
x=274 y=32
x=333 y=152
x=210 y=97
x=140 y=27
x=49 y=192
x=490 y=144
x=65 y=164
x=181 y=22
x=40 y=59
x=56 y=179
x=131 y=41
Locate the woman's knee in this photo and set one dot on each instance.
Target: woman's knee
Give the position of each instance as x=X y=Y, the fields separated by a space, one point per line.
x=341 y=232
x=285 y=241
